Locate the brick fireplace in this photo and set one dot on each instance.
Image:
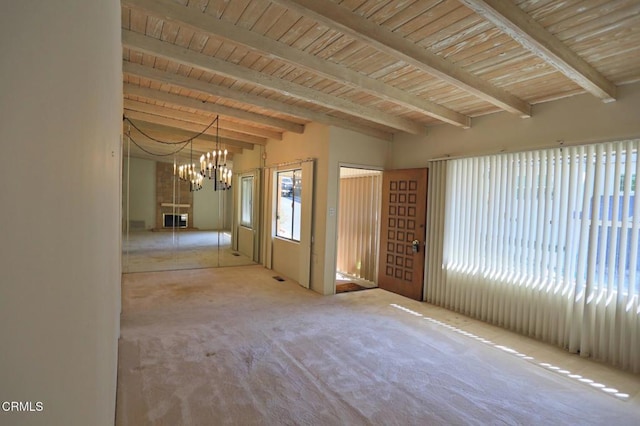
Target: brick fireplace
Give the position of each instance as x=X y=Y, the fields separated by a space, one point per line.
x=165 y=202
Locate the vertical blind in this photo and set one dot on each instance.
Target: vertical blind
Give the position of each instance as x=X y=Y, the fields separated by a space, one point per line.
x=545 y=243
x=358 y=225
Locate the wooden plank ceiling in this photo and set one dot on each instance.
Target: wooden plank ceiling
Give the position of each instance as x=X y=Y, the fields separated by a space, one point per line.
x=379 y=67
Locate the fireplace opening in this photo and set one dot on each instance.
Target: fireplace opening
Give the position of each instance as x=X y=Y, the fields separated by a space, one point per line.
x=175 y=220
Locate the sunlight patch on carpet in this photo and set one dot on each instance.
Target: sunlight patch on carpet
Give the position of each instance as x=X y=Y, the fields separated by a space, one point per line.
x=608 y=390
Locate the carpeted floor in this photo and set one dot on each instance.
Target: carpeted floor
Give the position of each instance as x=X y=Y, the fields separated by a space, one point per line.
x=146 y=251
x=233 y=346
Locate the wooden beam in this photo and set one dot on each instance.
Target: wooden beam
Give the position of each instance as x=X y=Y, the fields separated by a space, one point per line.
x=172 y=52
x=338 y=17
x=188 y=116
x=516 y=23
x=169 y=11
x=153 y=74
x=232 y=137
x=180 y=81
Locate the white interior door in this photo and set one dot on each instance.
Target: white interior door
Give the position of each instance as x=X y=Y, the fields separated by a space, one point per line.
x=286 y=253
x=247 y=221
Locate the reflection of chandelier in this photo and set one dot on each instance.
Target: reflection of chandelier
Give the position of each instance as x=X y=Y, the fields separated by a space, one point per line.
x=187 y=173
x=213 y=166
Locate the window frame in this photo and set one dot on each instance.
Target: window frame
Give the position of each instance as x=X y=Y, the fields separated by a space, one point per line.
x=244 y=208
x=295 y=175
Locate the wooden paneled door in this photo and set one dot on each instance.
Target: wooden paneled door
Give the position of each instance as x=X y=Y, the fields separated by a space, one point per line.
x=403 y=219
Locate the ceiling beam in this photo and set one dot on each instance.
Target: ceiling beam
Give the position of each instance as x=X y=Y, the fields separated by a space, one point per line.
x=180 y=81
x=153 y=74
x=232 y=137
x=172 y=52
x=340 y=18
x=516 y=23
x=138 y=145
x=189 y=116
x=166 y=133
x=172 y=12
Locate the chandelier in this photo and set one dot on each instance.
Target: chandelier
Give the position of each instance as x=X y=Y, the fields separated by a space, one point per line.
x=187 y=172
x=213 y=166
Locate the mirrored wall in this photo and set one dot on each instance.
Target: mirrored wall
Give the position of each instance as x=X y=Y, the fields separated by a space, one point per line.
x=167 y=226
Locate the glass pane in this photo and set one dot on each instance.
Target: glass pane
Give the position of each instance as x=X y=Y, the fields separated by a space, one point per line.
x=247 y=202
x=288 y=208
x=168 y=227
x=296 y=198
x=284 y=212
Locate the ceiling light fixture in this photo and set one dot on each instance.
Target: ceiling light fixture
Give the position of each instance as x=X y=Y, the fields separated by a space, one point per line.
x=213 y=165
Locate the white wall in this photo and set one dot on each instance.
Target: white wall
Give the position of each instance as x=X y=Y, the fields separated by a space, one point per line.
x=142 y=190
x=60 y=126
x=250 y=159
x=211 y=209
x=576 y=120
x=286 y=258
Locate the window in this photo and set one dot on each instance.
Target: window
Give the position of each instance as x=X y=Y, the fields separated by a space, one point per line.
x=288 y=206
x=548 y=243
x=564 y=217
x=633 y=182
x=246 y=206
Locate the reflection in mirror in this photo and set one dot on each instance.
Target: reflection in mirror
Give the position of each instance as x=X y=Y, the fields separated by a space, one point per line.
x=245 y=218
x=166 y=226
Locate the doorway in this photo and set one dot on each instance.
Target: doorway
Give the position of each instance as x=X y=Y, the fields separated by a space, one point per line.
x=359 y=206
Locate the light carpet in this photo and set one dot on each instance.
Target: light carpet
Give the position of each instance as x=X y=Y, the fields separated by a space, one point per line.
x=146 y=251
x=232 y=346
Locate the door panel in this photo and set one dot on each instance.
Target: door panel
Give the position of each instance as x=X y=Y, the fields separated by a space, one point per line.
x=403 y=218
x=246 y=222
